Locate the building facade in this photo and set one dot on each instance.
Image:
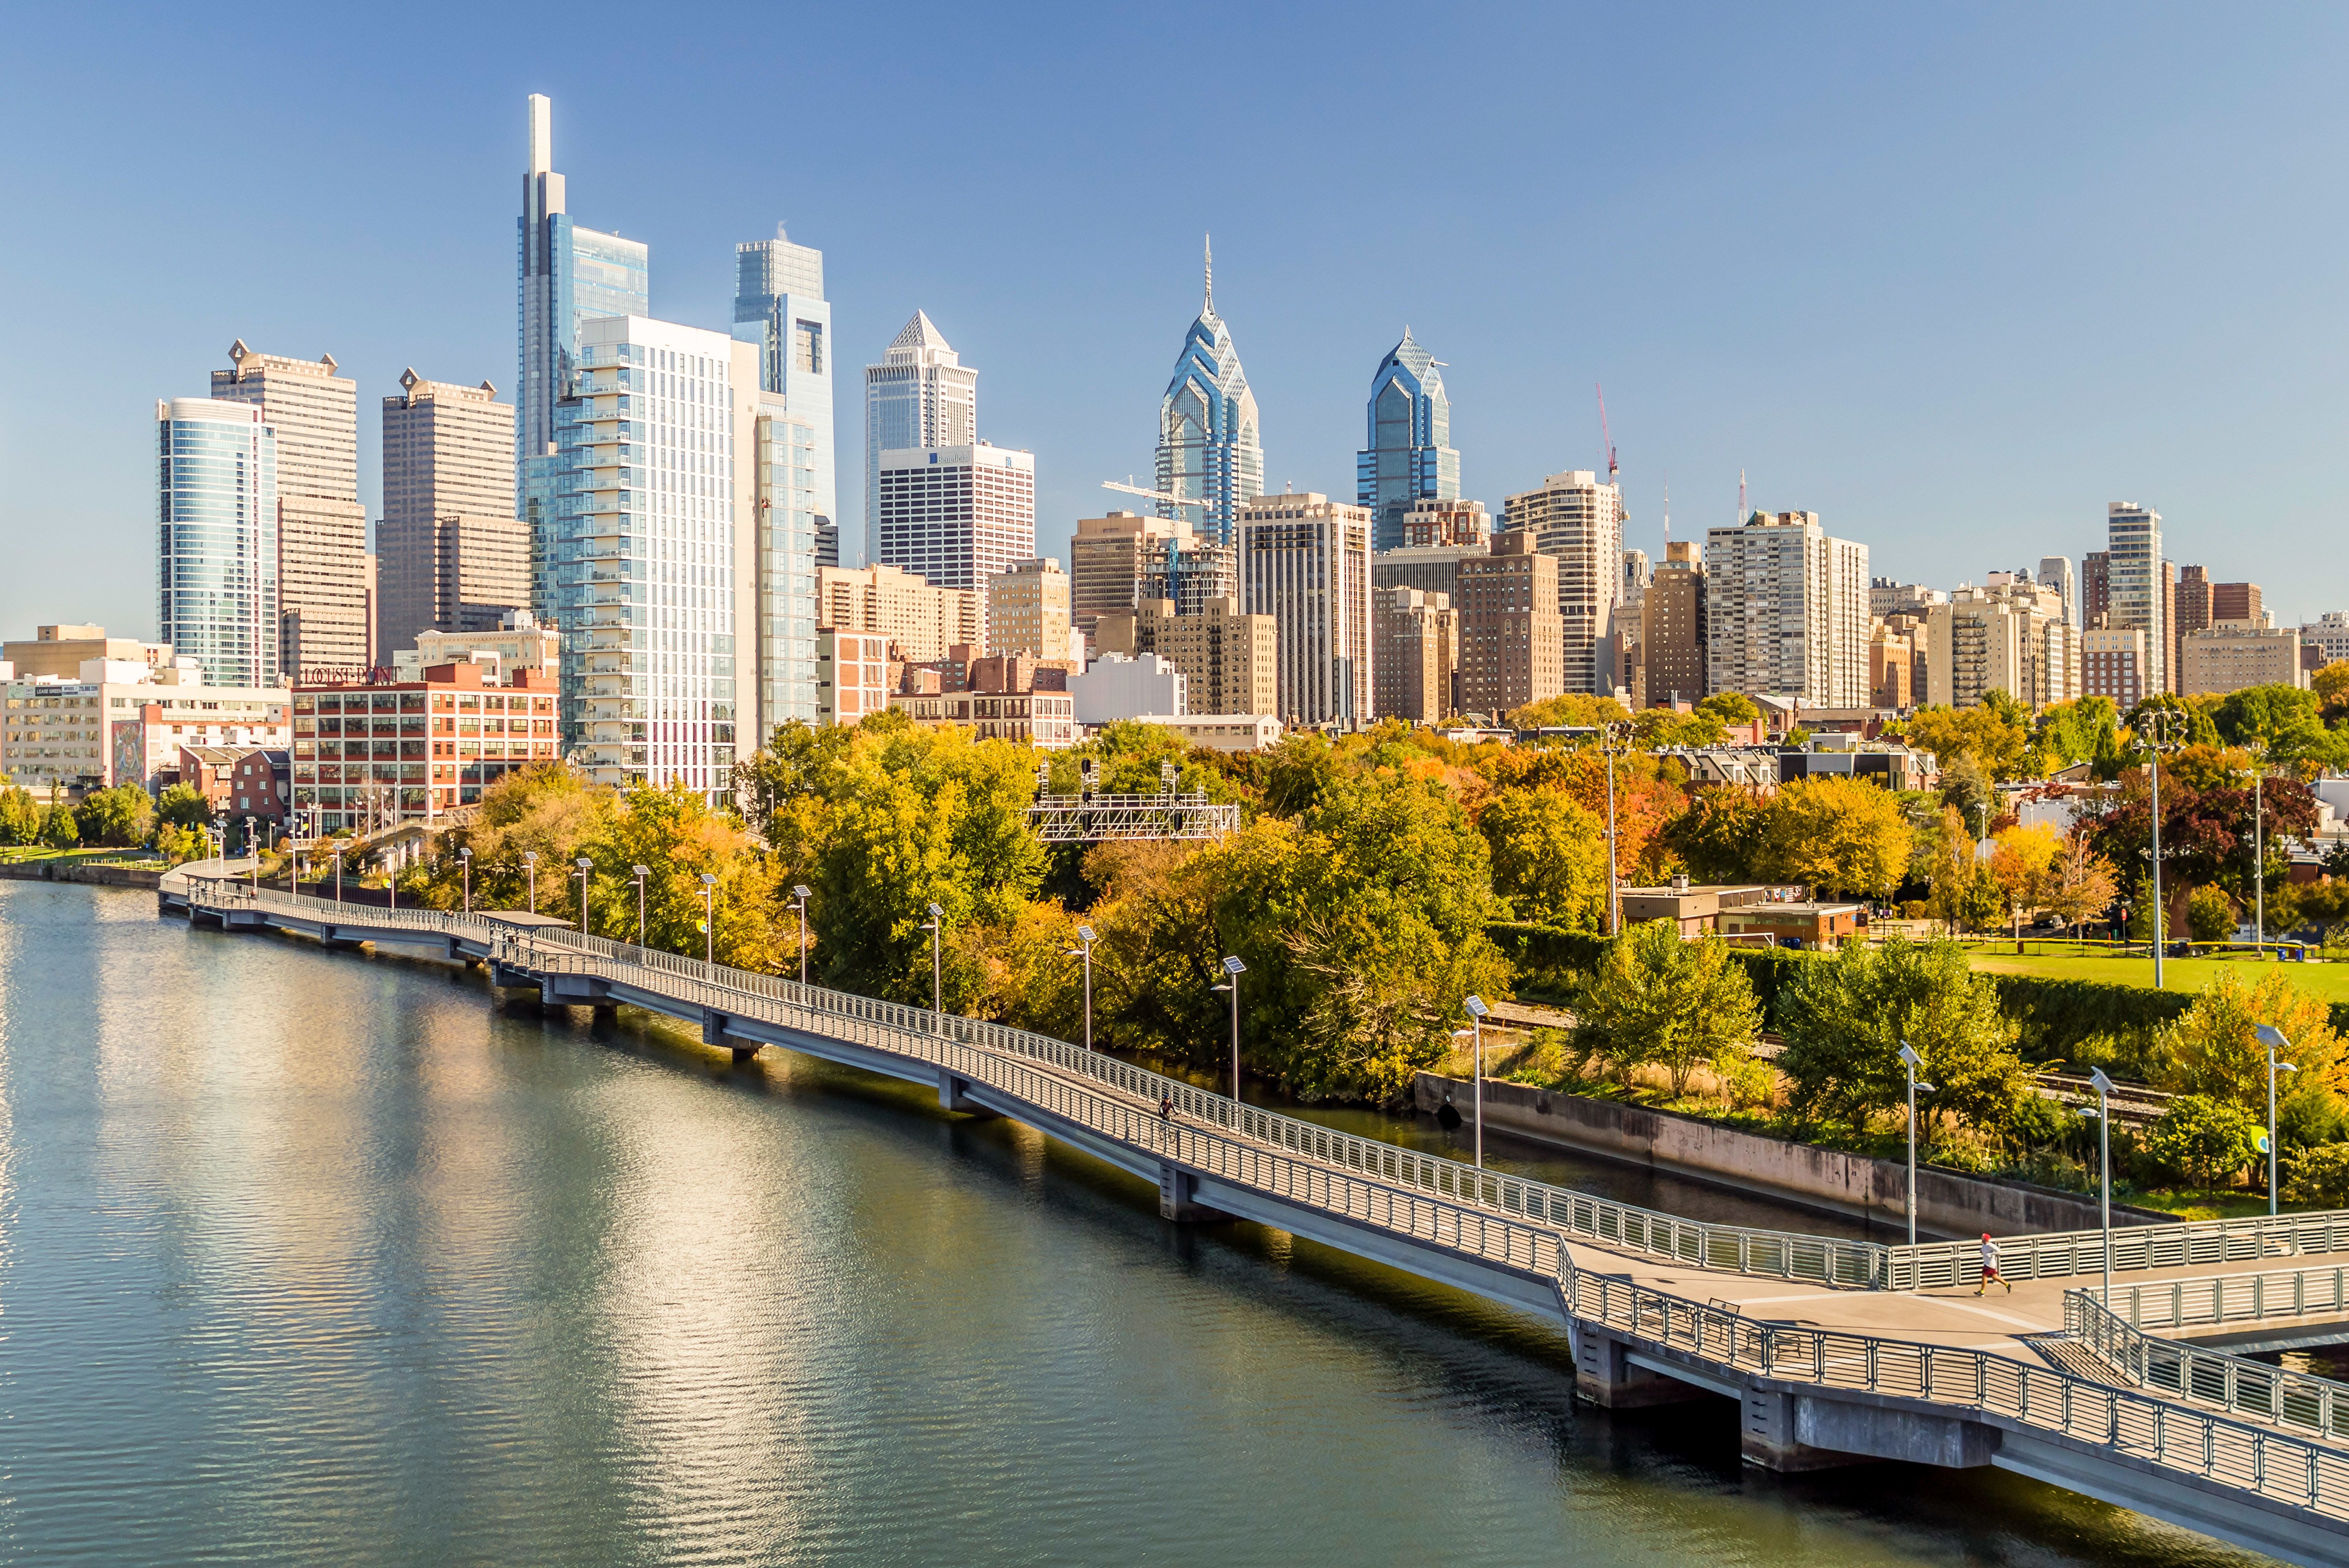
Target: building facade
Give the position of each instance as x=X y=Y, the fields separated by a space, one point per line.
x=1673 y=634
x=1305 y=560
x=2112 y=664
x=899 y=606
x=2055 y=572
x=780 y=308
x=326 y=585
x=1128 y=686
x=851 y=680
x=1512 y=638
x=1409 y=458
x=958 y=516
x=216 y=560
x=1118 y=561
x=1210 y=448
x=566 y=275
x=389 y=751
x=2135 y=591
x=1787 y=611
x=1436 y=524
x=2011 y=635
x=1578 y=523
x=520 y=642
x=1416 y=655
x=2235 y=654
x=920 y=395
x=786 y=535
x=1028 y=610
x=2329 y=634
x=450 y=555
x=123 y=721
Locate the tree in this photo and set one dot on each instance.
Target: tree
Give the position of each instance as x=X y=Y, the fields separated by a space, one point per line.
x=178 y=844
x=2281 y=724
x=20 y=817
x=1836 y=833
x=674 y=834
x=1846 y=1019
x=2022 y=861
x=2201 y=731
x=2202 y=1138
x=1657 y=728
x=1719 y=838
x=2081 y=883
x=1994 y=735
x=1574 y=710
x=183 y=805
x=2209 y=915
x=550 y=811
x=2085 y=731
x=58 y=830
x=1548 y=857
x=1656 y=998
x=2319 y=1177
x=2331 y=685
x=121 y=816
x=2214 y=1049
x=1731 y=708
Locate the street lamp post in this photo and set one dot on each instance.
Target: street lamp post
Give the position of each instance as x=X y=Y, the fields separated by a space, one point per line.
x=2272 y=1037
x=2103 y=1115
x=465 y=863
x=1910 y=1060
x=1233 y=969
x=936 y=924
x=1085 y=950
x=529 y=867
x=642 y=872
x=799 y=902
x=338 y=870
x=1476 y=1011
x=2258 y=866
x=708 y=919
x=1614 y=740
x=2164 y=725
x=252 y=847
x=585 y=866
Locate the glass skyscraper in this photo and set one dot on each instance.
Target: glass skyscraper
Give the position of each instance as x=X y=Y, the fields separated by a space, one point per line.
x=779 y=306
x=217 y=563
x=1208 y=446
x=1410 y=457
x=567 y=274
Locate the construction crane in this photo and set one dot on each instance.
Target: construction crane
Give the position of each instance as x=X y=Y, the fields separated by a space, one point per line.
x=1605 y=438
x=1175 y=500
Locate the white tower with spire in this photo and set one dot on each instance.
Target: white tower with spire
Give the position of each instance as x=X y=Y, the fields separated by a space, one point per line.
x=920 y=394
x=1208 y=444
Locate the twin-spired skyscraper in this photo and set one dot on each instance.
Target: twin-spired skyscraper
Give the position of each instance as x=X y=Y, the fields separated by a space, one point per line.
x=1209 y=447
x=1410 y=457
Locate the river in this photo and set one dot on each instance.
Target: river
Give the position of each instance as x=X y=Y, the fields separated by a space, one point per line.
x=316 y=1258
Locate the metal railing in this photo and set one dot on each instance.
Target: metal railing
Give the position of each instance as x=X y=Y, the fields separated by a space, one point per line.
x=1622 y=1227
x=2069 y=1253
x=2309 y=1472
x=2233 y=1383
x=2232 y=1298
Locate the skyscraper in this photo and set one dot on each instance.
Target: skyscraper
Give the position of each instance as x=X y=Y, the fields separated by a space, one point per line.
x=1410 y=457
x=779 y=306
x=2138 y=597
x=1787 y=606
x=450 y=555
x=1208 y=446
x=1580 y=521
x=216 y=561
x=957 y=514
x=1305 y=560
x=788 y=530
x=921 y=394
x=567 y=274
x=326 y=586
x=2055 y=572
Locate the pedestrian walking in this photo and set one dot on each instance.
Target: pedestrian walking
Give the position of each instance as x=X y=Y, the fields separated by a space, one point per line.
x=1166 y=1107
x=1990 y=1267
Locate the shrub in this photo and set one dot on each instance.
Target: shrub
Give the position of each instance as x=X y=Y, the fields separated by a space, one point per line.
x=2209 y=915
x=2202 y=1138
x=2319 y=1177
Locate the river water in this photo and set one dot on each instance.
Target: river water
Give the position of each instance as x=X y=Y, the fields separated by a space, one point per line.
x=314 y=1258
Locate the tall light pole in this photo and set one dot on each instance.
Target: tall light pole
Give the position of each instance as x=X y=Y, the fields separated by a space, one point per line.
x=1614 y=740
x=1233 y=969
x=338 y=870
x=2163 y=723
x=530 y=865
x=2104 y=1114
x=935 y=924
x=2258 y=866
x=1085 y=950
x=585 y=866
x=708 y=919
x=799 y=902
x=465 y=862
x=641 y=873
x=252 y=847
x=2272 y=1037
x=1910 y=1060
x=1476 y=1011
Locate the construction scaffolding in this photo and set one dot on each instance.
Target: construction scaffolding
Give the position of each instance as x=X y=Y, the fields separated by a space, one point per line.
x=1093 y=817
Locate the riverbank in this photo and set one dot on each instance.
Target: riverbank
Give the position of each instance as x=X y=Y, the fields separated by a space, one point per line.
x=1949 y=1203
x=63 y=868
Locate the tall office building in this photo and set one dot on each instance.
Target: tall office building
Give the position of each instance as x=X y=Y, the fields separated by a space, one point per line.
x=957 y=514
x=779 y=306
x=1787 y=608
x=786 y=527
x=1409 y=457
x=2195 y=608
x=1511 y=639
x=216 y=561
x=1416 y=655
x=921 y=394
x=1118 y=561
x=567 y=274
x=1580 y=523
x=326 y=587
x=1208 y=443
x=2011 y=635
x=2136 y=595
x=653 y=568
x=1673 y=634
x=2237 y=601
x=2055 y=572
x=1305 y=560
x=2095 y=588
x=450 y=555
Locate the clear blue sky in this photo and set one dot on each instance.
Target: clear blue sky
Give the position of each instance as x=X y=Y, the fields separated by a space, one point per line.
x=1951 y=280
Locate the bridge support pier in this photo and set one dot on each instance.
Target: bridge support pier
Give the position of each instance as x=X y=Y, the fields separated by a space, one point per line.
x=713 y=1033
x=953 y=1093
x=1178 y=1196
x=1605 y=1374
x=1787 y=1431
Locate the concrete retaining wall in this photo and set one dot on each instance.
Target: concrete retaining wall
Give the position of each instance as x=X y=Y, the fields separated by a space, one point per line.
x=69 y=871
x=1948 y=1202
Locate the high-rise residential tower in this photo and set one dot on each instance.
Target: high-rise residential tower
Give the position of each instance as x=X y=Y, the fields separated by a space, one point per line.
x=2138 y=591
x=326 y=583
x=1787 y=606
x=1208 y=443
x=2055 y=572
x=216 y=561
x=450 y=555
x=779 y=306
x=1409 y=457
x=1580 y=522
x=921 y=394
x=1305 y=561
x=568 y=275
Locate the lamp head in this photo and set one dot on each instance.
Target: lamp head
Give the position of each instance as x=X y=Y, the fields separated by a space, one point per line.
x=2096 y=1078
x=2272 y=1037
x=1908 y=1054
x=937 y=913
x=530 y=856
x=1085 y=934
x=800 y=890
x=585 y=864
x=1476 y=1006
x=464 y=852
x=642 y=870
x=1233 y=966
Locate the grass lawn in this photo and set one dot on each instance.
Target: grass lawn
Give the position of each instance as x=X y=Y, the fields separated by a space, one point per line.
x=2328 y=981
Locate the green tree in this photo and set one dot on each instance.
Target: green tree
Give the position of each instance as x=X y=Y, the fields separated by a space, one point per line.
x=2282 y=724
x=1656 y=998
x=1846 y=1019
x=2203 y=1137
x=2209 y=915
x=1837 y=834
x=1656 y=728
x=675 y=835
x=121 y=816
x=550 y=811
x=2319 y=1177
x=2200 y=729
x=1730 y=708
x=58 y=830
x=1993 y=733
x=2214 y=1049
x=1721 y=838
x=1575 y=709
x=2085 y=731
x=179 y=845
x=1548 y=857
x=20 y=817
x=183 y=805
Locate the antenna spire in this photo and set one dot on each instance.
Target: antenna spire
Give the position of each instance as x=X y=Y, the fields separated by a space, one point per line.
x=1741 y=498
x=1211 y=274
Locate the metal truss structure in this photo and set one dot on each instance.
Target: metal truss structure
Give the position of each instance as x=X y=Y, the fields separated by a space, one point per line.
x=1093 y=817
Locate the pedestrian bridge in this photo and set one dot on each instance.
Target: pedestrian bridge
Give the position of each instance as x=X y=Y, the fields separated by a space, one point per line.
x=1833 y=1351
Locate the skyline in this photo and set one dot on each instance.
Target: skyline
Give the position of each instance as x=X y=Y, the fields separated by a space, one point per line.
x=1902 y=292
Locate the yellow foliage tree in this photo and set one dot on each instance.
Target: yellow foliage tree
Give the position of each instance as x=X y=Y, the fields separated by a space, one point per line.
x=2022 y=859
x=1837 y=834
x=2214 y=1049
